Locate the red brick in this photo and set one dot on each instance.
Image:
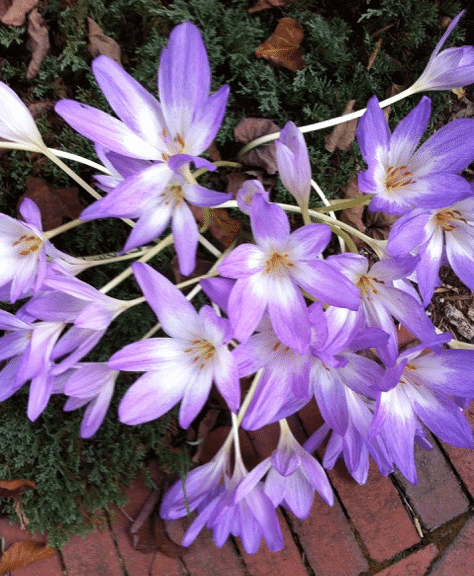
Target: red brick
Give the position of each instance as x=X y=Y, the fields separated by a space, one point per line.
x=203 y=557
x=414 y=565
x=266 y=563
x=376 y=511
x=438 y=497
x=138 y=563
x=463 y=459
x=94 y=555
x=458 y=559
x=328 y=541
x=48 y=567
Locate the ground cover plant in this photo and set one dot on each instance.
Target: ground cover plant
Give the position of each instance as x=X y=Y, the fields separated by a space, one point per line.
x=280 y=286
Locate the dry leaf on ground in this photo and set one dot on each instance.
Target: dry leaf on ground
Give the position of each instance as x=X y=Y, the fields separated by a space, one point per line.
x=16 y=13
x=222 y=226
x=265 y=4
x=100 y=44
x=283 y=46
x=11 y=488
x=342 y=135
x=264 y=156
x=39 y=45
x=24 y=553
x=55 y=204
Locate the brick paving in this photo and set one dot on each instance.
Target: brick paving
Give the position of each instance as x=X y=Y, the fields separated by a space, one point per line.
x=386 y=527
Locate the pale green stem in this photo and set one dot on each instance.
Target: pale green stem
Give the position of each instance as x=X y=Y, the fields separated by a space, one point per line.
x=377 y=245
x=325 y=123
x=337 y=205
x=75 y=157
x=99 y=259
x=325 y=201
x=128 y=271
x=18 y=146
x=79 y=180
x=248 y=397
x=63 y=228
x=212 y=249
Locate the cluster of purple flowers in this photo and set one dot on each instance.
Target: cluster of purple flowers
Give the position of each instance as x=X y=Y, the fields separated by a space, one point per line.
x=306 y=326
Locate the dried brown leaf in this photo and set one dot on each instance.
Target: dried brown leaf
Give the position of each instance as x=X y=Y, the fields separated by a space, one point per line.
x=16 y=14
x=342 y=135
x=205 y=427
x=11 y=488
x=100 y=44
x=265 y=4
x=55 y=204
x=374 y=54
x=24 y=553
x=283 y=46
x=263 y=156
x=39 y=45
x=222 y=226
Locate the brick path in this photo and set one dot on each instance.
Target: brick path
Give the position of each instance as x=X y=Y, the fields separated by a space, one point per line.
x=385 y=528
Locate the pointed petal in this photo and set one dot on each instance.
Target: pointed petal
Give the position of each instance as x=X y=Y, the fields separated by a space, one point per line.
x=185 y=237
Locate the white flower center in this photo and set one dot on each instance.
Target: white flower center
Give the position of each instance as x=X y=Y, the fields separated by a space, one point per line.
x=201 y=351
x=27 y=244
x=278 y=263
x=397 y=177
x=449 y=220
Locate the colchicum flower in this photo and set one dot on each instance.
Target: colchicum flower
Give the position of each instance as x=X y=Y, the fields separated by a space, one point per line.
x=437 y=236
x=268 y=275
x=447 y=69
x=161 y=139
x=182 y=367
x=16 y=122
x=401 y=177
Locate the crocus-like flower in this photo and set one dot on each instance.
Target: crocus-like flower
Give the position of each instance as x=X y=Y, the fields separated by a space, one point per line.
x=420 y=386
x=16 y=122
x=182 y=367
x=380 y=299
x=400 y=177
x=447 y=69
x=159 y=138
x=293 y=163
x=437 y=235
x=184 y=121
x=92 y=384
x=293 y=476
x=268 y=275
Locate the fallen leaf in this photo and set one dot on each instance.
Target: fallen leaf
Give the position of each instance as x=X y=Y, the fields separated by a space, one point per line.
x=379 y=224
x=55 y=204
x=39 y=45
x=265 y=4
x=4 y=7
x=164 y=544
x=374 y=54
x=16 y=14
x=222 y=226
x=235 y=181
x=283 y=46
x=342 y=135
x=11 y=488
x=264 y=156
x=24 y=553
x=204 y=428
x=100 y=44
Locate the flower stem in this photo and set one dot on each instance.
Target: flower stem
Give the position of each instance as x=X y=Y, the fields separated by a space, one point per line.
x=86 y=161
x=324 y=123
x=248 y=397
x=63 y=228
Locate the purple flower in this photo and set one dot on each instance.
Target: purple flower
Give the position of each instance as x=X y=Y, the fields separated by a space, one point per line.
x=158 y=140
x=283 y=387
x=293 y=476
x=437 y=236
x=293 y=163
x=251 y=518
x=420 y=386
x=184 y=121
x=381 y=299
x=182 y=367
x=400 y=177
x=268 y=275
x=450 y=68
x=92 y=384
